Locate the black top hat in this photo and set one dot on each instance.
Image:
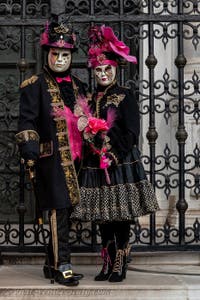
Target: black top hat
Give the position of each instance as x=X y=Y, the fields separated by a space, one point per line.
x=58 y=33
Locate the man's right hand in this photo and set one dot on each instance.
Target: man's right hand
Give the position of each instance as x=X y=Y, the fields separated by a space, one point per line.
x=29 y=151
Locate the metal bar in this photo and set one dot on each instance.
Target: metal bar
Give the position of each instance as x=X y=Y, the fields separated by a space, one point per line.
x=121 y=30
x=102 y=19
x=21 y=208
x=91 y=74
x=181 y=134
x=86 y=249
x=151 y=62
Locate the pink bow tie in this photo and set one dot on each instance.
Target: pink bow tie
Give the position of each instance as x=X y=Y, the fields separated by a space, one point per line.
x=67 y=79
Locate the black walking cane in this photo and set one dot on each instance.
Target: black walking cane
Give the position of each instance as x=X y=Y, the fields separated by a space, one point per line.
x=38 y=212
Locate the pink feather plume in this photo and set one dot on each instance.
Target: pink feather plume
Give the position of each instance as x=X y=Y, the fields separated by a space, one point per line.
x=82 y=103
x=75 y=138
x=111 y=117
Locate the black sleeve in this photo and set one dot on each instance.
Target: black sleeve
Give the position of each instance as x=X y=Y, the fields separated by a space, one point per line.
x=28 y=121
x=29 y=107
x=125 y=132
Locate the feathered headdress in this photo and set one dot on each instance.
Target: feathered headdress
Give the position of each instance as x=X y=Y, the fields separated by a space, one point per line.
x=105 y=47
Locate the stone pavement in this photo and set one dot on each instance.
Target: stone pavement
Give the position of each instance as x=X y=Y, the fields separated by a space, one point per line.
x=144 y=282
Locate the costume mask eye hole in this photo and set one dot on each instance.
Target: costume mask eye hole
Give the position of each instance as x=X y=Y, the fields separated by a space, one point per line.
x=98 y=70
x=108 y=68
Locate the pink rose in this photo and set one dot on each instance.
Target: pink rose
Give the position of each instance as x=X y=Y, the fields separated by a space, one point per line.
x=95 y=125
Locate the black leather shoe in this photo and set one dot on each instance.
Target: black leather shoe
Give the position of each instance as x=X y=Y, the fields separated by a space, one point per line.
x=47 y=274
x=66 y=278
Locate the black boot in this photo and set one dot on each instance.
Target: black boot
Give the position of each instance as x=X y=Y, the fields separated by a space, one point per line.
x=62 y=239
x=64 y=275
x=121 y=265
x=127 y=259
x=108 y=254
x=119 y=268
x=77 y=276
x=48 y=273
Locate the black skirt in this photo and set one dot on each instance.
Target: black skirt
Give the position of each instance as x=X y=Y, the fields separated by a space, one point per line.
x=129 y=195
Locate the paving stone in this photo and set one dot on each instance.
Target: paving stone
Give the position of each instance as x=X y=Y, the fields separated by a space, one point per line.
x=26 y=282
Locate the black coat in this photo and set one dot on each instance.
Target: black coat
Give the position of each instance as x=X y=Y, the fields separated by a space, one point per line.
x=126 y=128
x=36 y=118
x=124 y=133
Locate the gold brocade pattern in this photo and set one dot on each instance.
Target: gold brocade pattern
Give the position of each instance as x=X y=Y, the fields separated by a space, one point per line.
x=115 y=99
x=119 y=202
x=100 y=97
x=28 y=81
x=26 y=136
x=63 y=141
x=46 y=149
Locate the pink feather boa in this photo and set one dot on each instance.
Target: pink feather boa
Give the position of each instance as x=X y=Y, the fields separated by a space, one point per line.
x=75 y=136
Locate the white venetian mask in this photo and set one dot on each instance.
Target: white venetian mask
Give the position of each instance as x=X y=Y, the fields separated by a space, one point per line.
x=105 y=74
x=59 y=60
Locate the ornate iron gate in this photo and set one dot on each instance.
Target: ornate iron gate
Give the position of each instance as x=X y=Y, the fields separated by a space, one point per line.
x=165 y=36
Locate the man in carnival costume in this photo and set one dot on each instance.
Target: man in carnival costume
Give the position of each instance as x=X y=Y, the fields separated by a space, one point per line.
x=45 y=138
x=113 y=185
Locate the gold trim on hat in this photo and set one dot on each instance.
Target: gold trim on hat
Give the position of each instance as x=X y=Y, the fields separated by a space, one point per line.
x=61 y=29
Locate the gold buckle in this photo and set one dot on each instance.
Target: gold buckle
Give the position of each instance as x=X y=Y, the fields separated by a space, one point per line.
x=67 y=274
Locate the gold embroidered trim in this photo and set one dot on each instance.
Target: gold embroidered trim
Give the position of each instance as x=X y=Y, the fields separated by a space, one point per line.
x=61 y=29
x=26 y=136
x=98 y=100
x=53 y=220
x=46 y=149
x=62 y=148
x=107 y=144
x=29 y=81
x=115 y=99
x=114 y=157
x=63 y=141
x=59 y=104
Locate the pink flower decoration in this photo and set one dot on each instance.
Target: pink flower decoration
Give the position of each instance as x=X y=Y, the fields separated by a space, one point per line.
x=95 y=125
x=101 y=58
x=104 y=162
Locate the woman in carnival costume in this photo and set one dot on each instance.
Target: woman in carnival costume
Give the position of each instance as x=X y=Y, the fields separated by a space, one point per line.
x=113 y=184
